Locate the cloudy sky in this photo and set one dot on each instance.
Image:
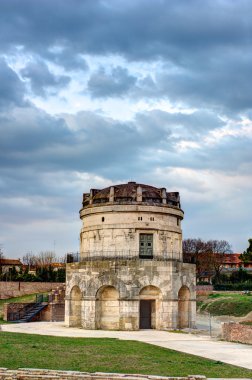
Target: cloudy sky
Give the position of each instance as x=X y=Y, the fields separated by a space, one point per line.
x=94 y=93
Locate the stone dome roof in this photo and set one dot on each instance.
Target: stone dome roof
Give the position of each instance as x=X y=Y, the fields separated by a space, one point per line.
x=131 y=193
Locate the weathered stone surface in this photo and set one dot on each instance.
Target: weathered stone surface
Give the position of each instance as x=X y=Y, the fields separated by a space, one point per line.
x=116 y=284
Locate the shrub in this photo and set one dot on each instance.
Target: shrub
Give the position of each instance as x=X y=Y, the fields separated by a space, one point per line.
x=237 y=286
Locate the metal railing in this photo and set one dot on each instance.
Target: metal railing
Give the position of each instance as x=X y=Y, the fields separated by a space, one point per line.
x=124 y=255
x=42 y=298
x=16 y=315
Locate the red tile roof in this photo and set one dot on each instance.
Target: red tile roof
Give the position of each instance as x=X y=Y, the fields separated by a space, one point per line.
x=10 y=262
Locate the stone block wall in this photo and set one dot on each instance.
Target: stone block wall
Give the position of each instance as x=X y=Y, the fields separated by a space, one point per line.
x=236 y=332
x=129 y=279
x=38 y=374
x=9 y=289
x=54 y=312
x=115 y=229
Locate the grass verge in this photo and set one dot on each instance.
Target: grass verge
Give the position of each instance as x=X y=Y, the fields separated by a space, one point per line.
x=106 y=355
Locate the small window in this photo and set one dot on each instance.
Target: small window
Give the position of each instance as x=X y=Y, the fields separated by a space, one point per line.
x=152 y=219
x=140 y=218
x=177 y=221
x=102 y=219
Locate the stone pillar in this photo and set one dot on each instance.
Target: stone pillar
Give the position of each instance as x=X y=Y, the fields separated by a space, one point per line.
x=88 y=313
x=163 y=194
x=193 y=313
x=91 y=196
x=139 y=194
x=169 y=315
x=129 y=315
x=67 y=312
x=111 y=194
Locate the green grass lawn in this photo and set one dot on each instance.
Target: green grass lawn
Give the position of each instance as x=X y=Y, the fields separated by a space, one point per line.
x=106 y=355
x=227 y=303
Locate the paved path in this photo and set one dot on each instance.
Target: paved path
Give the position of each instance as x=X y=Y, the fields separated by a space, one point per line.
x=231 y=353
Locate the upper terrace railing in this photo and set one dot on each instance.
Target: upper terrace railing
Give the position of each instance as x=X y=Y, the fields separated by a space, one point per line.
x=124 y=255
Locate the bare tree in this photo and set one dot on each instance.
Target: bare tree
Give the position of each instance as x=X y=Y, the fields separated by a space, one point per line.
x=217 y=250
x=46 y=258
x=63 y=259
x=195 y=251
x=30 y=259
x=207 y=255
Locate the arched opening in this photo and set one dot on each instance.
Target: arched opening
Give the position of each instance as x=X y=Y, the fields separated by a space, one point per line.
x=184 y=312
x=75 y=307
x=107 y=308
x=149 y=307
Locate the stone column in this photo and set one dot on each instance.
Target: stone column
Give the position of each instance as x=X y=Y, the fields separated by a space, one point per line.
x=91 y=196
x=139 y=194
x=67 y=312
x=111 y=194
x=129 y=315
x=163 y=194
x=88 y=313
x=169 y=315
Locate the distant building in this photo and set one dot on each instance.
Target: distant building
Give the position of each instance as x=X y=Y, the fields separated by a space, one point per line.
x=230 y=263
x=130 y=273
x=8 y=264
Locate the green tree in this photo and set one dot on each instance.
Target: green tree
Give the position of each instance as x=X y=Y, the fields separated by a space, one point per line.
x=247 y=255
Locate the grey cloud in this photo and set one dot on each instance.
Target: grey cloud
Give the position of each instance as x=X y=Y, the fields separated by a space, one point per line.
x=11 y=89
x=139 y=30
x=185 y=126
x=116 y=83
x=207 y=45
x=42 y=79
x=67 y=58
x=222 y=84
x=26 y=133
x=108 y=147
x=35 y=147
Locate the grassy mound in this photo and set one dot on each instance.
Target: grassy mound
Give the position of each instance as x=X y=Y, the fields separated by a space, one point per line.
x=227 y=303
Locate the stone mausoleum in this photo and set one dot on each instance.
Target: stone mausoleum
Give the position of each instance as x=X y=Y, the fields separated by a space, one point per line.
x=130 y=272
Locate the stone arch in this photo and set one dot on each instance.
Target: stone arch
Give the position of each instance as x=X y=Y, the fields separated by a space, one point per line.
x=99 y=283
x=150 y=300
x=75 y=307
x=184 y=307
x=107 y=308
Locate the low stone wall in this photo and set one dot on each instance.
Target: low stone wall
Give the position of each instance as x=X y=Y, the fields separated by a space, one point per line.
x=9 y=308
x=38 y=374
x=236 y=332
x=203 y=290
x=9 y=289
x=53 y=312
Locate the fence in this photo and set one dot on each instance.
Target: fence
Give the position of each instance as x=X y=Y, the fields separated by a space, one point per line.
x=124 y=255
